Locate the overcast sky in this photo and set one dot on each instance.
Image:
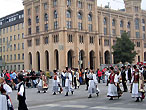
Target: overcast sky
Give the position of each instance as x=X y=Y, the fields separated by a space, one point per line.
x=10 y=6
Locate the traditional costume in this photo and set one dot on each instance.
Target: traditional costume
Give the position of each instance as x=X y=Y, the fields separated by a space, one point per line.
x=137 y=85
x=76 y=78
x=92 y=84
x=112 y=87
x=56 y=84
x=21 y=94
x=68 y=82
x=42 y=85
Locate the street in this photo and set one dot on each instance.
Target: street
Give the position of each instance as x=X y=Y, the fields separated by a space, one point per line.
x=78 y=101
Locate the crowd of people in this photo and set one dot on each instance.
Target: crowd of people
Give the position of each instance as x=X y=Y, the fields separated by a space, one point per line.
x=70 y=79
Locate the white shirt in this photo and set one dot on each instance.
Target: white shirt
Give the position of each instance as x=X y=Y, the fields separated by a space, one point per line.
x=7 y=88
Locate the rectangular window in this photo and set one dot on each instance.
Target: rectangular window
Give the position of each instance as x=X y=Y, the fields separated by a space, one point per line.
x=79 y=4
x=143 y=28
x=143 y=36
x=46 y=40
x=4 y=57
x=137 y=35
x=18 y=56
x=29 y=31
x=138 y=44
x=14 y=46
x=22 y=25
x=23 y=56
x=18 y=46
x=14 y=67
x=106 y=42
x=18 y=27
x=29 y=43
x=55 y=25
x=37 y=42
x=29 y=12
x=68 y=2
x=22 y=45
x=3 y=40
x=10 y=28
x=22 y=35
x=114 y=32
x=10 y=38
x=105 y=31
x=90 y=27
x=68 y=24
x=11 y=57
x=37 y=29
x=10 y=47
x=18 y=67
x=54 y=2
x=37 y=9
x=4 y=31
x=89 y=6
x=14 y=56
x=14 y=37
x=3 y=48
x=121 y=32
x=18 y=36
x=80 y=26
x=7 y=57
x=45 y=6
x=46 y=27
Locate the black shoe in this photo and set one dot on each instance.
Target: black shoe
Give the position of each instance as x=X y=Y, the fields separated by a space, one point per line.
x=90 y=96
x=44 y=91
x=97 y=94
x=38 y=92
x=66 y=94
x=137 y=100
x=54 y=93
x=111 y=98
x=72 y=92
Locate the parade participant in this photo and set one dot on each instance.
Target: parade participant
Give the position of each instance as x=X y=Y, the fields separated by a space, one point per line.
x=144 y=73
x=68 y=82
x=86 y=78
x=56 y=83
x=123 y=76
x=42 y=85
x=92 y=84
x=8 y=78
x=129 y=73
x=75 y=74
x=107 y=74
x=63 y=78
x=112 y=89
x=33 y=77
x=21 y=93
x=6 y=90
x=137 y=85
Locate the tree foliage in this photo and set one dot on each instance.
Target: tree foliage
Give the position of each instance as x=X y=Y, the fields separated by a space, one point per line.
x=123 y=50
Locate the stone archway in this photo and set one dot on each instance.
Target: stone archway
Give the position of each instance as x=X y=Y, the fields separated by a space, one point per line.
x=56 y=59
x=47 y=60
x=92 y=59
x=38 y=60
x=70 y=59
x=30 y=60
x=107 y=57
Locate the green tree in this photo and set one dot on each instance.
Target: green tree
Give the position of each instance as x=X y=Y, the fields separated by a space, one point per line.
x=123 y=50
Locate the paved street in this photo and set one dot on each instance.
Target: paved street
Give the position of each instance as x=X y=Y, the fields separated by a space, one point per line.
x=78 y=101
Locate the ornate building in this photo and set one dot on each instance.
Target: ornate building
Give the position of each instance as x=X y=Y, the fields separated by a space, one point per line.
x=60 y=33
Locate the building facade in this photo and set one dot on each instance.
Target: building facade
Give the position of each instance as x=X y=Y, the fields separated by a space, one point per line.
x=78 y=33
x=12 y=43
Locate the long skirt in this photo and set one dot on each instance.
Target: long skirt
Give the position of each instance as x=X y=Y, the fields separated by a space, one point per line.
x=92 y=87
x=112 y=91
x=135 y=92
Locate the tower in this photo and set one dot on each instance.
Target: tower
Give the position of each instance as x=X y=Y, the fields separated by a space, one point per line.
x=133 y=6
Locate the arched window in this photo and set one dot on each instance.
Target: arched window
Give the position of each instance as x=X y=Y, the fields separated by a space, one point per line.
x=129 y=25
x=121 y=23
x=113 y=22
x=55 y=14
x=136 y=23
x=105 y=21
x=68 y=14
x=79 y=15
x=46 y=17
x=89 y=17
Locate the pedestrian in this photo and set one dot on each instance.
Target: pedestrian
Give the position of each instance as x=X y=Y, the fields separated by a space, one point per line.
x=21 y=93
x=92 y=84
x=99 y=74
